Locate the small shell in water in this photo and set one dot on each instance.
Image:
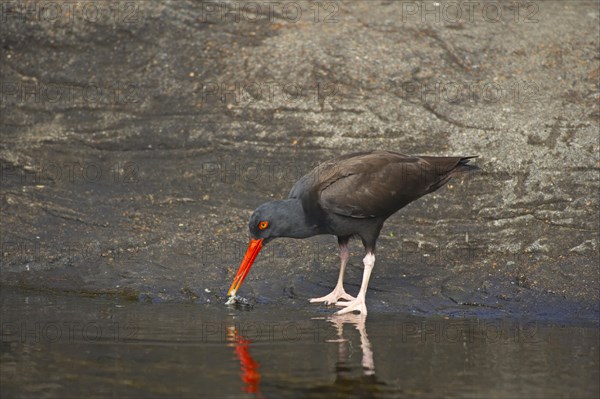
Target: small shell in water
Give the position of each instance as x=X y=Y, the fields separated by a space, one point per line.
x=237 y=300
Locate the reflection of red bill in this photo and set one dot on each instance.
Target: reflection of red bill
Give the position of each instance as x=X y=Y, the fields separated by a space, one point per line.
x=250 y=367
x=253 y=249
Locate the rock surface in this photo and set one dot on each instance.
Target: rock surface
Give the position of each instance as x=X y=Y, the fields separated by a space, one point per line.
x=137 y=139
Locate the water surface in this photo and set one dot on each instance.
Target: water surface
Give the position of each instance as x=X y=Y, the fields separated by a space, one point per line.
x=64 y=346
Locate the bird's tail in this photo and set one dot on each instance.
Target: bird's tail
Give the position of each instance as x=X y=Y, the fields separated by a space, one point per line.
x=450 y=167
x=464 y=166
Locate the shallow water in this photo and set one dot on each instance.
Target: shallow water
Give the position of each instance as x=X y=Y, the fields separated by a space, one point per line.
x=67 y=346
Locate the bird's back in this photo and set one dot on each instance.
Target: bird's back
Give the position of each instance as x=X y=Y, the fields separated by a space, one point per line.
x=373 y=184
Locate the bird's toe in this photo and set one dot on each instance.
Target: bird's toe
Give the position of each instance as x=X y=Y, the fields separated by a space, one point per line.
x=326 y=299
x=342 y=303
x=353 y=306
x=333 y=297
x=347 y=297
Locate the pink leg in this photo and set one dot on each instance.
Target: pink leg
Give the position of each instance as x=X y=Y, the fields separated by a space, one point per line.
x=358 y=304
x=338 y=292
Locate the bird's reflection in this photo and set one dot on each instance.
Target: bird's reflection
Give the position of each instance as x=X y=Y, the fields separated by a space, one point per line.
x=249 y=367
x=347 y=382
x=358 y=321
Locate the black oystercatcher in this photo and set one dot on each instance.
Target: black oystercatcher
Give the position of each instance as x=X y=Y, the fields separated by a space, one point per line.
x=350 y=196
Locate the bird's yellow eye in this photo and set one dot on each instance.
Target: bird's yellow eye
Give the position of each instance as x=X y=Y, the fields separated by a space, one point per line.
x=263 y=225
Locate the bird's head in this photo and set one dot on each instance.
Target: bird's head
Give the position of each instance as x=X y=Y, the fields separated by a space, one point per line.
x=270 y=220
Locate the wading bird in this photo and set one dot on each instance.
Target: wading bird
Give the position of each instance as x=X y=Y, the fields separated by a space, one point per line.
x=350 y=196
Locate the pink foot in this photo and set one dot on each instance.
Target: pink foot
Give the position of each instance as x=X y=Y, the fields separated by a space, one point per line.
x=335 y=295
x=357 y=304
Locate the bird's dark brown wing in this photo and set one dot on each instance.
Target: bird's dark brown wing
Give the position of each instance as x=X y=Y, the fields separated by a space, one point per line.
x=373 y=184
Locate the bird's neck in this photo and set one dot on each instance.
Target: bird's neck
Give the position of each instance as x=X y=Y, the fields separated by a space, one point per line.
x=302 y=227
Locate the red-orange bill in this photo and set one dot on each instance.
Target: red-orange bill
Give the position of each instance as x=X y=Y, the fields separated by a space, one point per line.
x=253 y=249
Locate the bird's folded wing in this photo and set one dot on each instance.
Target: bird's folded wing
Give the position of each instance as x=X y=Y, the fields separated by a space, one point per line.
x=376 y=193
x=378 y=186
x=371 y=184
